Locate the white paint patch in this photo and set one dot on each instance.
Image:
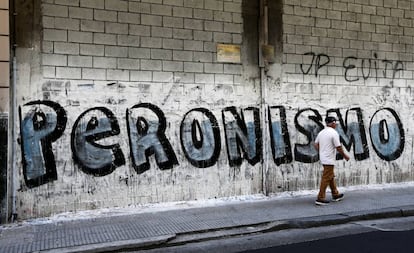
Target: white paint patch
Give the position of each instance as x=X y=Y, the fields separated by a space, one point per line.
x=181 y=205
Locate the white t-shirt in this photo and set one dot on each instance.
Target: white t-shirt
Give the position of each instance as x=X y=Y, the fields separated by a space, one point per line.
x=328 y=140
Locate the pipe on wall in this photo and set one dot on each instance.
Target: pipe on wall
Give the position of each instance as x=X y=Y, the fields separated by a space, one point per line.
x=263 y=40
x=12 y=118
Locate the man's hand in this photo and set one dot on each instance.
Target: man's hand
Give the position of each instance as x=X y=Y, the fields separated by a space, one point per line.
x=341 y=151
x=346 y=157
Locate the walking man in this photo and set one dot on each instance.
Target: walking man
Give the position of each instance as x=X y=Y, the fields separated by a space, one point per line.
x=327 y=143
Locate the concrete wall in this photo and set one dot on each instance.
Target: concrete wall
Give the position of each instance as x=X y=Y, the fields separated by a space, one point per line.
x=4 y=103
x=354 y=61
x=4 y=56
x=133 y=102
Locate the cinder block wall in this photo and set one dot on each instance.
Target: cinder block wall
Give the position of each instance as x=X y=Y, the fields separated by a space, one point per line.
x=135 y=68
x=354 y=60
x=128 y=102
x=4 y=56
x=4 y=104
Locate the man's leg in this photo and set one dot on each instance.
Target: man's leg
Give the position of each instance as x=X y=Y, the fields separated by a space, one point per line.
x=332 y=185
x=327 y=178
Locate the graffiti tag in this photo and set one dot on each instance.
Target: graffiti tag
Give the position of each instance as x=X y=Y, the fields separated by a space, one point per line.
x=355 y=68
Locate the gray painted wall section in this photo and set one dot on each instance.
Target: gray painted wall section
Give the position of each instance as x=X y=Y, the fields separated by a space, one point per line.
x=3 y=166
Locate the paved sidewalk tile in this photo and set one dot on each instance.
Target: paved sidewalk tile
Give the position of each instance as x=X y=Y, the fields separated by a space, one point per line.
x=155 y=227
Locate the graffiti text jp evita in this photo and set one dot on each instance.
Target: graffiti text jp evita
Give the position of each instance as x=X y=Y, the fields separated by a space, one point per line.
x=355 y=69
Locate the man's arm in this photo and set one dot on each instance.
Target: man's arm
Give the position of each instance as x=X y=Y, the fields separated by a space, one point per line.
x=316 y=145
x=341 y=151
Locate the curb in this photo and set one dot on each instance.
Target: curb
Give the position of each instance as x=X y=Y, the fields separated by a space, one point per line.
x=300 y=223
x=342 y=218
x=169 y=240
x=114 y=246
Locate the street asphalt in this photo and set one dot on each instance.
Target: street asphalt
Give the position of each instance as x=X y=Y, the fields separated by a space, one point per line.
x=162 y=228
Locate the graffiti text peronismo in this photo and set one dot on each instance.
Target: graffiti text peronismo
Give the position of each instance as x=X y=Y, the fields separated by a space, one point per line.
x=44 y=122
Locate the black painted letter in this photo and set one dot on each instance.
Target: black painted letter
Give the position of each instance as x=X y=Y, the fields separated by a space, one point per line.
x=242 y=136
x=200 y=138
x=279 y=135
x=353 y=133
x=38 y=130
x=146 y=129
x=306 y=152
x=93 y=158
x=387 y=134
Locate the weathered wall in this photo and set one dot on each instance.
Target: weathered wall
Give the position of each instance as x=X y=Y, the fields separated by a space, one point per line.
x=352 y=59
x=4 y=103
x=4 y=56
x=141 y=79
x=3 y=167
x=126 y=102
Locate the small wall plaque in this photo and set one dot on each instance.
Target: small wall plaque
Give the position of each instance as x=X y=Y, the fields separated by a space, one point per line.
x=268 y=52
x=228 y=53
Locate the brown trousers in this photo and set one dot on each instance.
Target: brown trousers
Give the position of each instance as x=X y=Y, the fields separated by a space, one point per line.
x=328 y=179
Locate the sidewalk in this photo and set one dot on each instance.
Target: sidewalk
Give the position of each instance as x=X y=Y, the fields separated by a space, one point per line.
x=159 y=228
